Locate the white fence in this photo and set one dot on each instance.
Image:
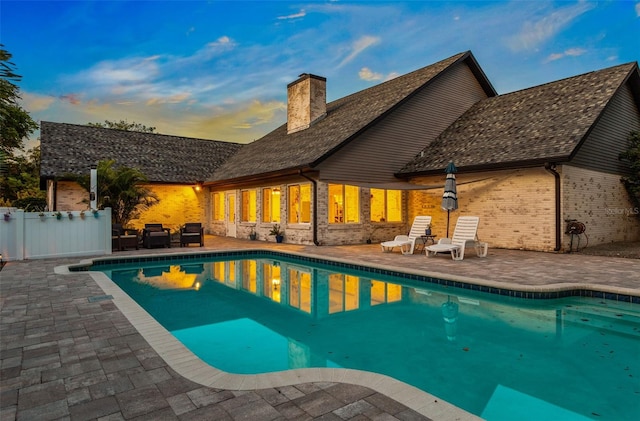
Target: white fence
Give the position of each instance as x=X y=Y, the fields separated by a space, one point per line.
x=32 y=235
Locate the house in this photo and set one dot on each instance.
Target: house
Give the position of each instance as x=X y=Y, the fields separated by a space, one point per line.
x=175 y=166
x=533 y=160
x=327 y=174
x=361 y=167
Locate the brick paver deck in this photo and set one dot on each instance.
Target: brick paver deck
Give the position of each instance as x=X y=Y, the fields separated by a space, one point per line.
x=64 y=356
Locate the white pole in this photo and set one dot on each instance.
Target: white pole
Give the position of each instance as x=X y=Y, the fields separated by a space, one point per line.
x=93 y=190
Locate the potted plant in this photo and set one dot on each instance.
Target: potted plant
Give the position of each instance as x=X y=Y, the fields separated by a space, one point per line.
x=252 y=235
x=7 y=216
x=277 y=232
x=427 y=230
x=95 y=212
x=42 y=216
x=70 y=214
x=82 y=214
x=58 y=215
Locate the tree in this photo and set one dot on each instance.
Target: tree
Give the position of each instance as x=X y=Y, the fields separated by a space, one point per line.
x=632 y=156
x=124 y=125
x=20 y=182
x=121 y=188
x=15 y=122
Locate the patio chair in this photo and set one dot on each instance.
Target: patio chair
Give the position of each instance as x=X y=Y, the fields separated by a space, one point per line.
x=406 y=243
x=156 y=235
x=466 y=230
x=192 y=232
x=123 y=238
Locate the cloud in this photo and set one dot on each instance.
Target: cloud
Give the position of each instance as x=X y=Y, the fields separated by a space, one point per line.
x=359 y=46
x=366 y=74
x=638 y=9
x=34 y=102
x=571 y=52
x=535 y=32
x=300 y=14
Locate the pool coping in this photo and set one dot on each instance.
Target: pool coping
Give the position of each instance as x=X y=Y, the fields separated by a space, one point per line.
x=187 y=364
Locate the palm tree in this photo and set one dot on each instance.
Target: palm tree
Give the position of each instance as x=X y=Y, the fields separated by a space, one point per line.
x=121 y=188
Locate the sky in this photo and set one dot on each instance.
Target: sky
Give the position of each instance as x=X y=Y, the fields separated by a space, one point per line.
x=219 y=69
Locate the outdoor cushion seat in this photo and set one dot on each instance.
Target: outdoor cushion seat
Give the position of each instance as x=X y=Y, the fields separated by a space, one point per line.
x=154 y=235
x=407 y=243
x=466 y=230
x=123 y=238
x=192 y=233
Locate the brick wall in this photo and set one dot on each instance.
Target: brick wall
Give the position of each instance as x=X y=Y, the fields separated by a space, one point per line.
x=601 y=202
x=178 y=204
x=516 y=208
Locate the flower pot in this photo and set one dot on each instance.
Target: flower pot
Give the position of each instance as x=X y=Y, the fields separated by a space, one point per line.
x=427 y=231
x=43 y=217
x=70 y=215
x=58 y=216
x=279 y=238
x=7 y=216
x=253 y=236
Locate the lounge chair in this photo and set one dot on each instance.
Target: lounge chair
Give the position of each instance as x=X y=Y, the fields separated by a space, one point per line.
x=156 y=235
x=466 y=230
x=192 y=232
x=123 y=238
x=406 y=243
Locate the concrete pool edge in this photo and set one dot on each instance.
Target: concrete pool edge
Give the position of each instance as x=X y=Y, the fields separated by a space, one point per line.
x=497 y=285
x=188 y=365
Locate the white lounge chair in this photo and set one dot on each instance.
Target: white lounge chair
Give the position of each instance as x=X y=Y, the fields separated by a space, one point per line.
x=466 y=230
x=406 y=243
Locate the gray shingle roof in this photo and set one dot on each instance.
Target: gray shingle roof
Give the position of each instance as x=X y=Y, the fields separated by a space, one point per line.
x=278 y=151
x=546 y=122
x=72 y=149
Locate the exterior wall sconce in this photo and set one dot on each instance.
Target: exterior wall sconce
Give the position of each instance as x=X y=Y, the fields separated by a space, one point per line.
x=198 y=186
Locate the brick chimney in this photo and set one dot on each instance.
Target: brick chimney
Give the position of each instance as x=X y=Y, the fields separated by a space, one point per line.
x=306 y=102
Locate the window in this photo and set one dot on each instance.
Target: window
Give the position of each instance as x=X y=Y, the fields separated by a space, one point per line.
x=300 y=290
x=344 y=204
x=249 y=206
x=249 y=275
x=343 y=293
x=271 y=281
x=299 y=203
x=386 y=205
x=383 y=292
x=218 y=206
x=271 y=205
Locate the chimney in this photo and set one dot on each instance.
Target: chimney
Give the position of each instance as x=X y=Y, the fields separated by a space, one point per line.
x=306 y=102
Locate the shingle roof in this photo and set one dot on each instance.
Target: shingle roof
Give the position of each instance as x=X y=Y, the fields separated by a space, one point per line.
x=546 y=122
x=72 y=149
x=278 y=151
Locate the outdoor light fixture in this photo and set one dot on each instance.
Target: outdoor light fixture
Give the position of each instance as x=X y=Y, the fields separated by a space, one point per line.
x=198 y=186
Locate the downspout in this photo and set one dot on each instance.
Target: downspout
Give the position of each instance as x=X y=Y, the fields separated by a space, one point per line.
x=315 y=207
x=552 y=169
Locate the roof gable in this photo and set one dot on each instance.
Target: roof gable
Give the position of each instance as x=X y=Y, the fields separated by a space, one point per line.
x=72 y=149
x=531 y=126
x=346 y=117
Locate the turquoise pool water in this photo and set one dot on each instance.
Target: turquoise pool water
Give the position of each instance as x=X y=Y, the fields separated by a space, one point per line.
x=498 y=357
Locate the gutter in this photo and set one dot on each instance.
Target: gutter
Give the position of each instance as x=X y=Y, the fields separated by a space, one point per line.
x=551 y=167
x=315 y=206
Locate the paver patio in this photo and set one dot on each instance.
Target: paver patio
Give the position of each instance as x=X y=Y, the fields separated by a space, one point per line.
x=64 y=356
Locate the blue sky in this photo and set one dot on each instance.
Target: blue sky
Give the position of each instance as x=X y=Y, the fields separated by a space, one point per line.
x=219 y=69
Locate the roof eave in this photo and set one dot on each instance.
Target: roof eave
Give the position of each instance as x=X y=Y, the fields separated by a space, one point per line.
x=496 y=166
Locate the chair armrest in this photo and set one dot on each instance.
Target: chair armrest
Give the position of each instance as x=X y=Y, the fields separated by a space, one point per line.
x=444 y=241
x=168 y=230
x=130 y=231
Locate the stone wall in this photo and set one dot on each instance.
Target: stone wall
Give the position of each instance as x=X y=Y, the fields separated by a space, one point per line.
x=600 y=201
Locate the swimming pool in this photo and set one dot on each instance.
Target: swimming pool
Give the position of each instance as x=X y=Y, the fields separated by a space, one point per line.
x=574 y=357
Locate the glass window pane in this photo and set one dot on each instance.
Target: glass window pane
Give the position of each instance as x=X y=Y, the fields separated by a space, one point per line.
x=352 y=204
x=378 y=213
x=394 y=205
x=294 y=203
x=336 y=204
x=305 y=203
